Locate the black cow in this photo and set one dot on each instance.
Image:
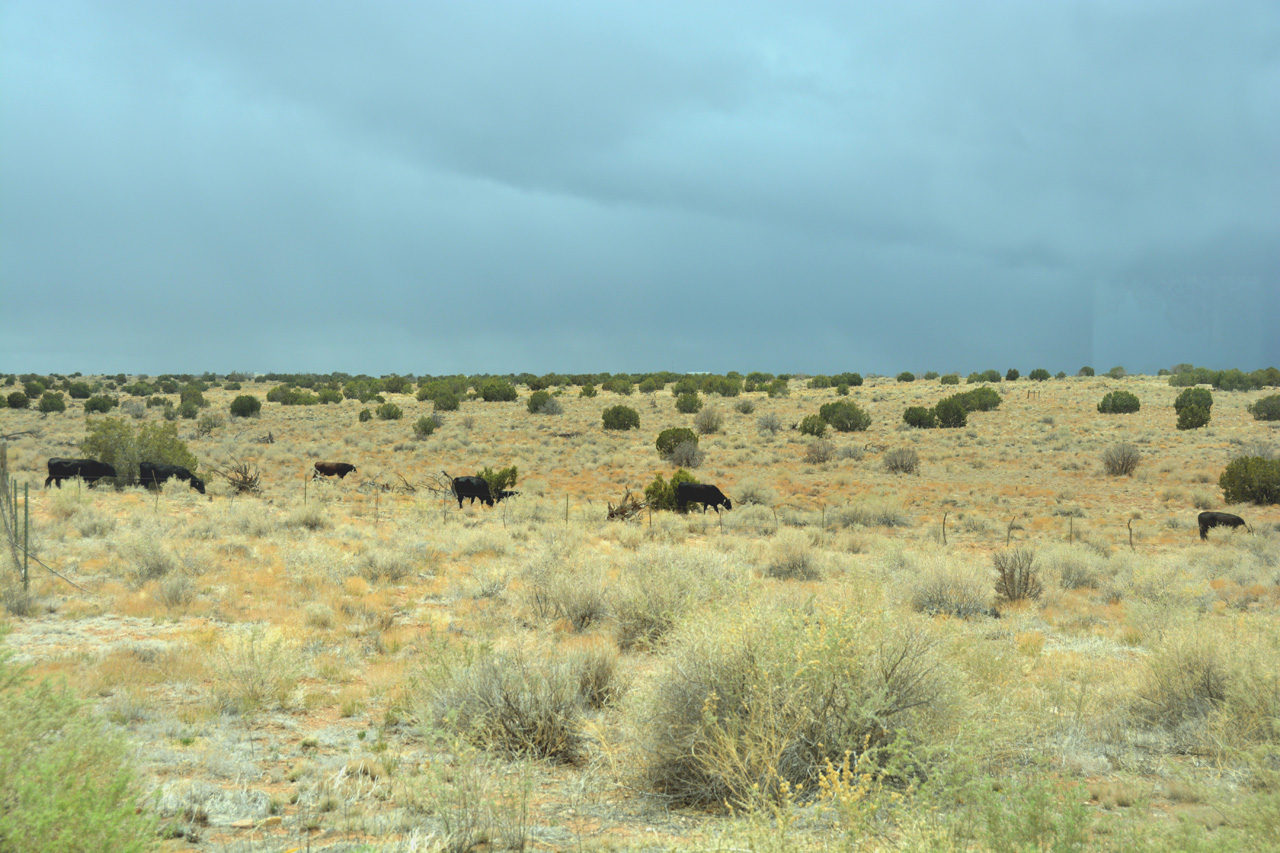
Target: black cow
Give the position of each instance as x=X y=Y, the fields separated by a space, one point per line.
x=1219 y=519
x=89 y=470
x=687 y=493
x=152 y=475
x=328 y=469
x=477 y=488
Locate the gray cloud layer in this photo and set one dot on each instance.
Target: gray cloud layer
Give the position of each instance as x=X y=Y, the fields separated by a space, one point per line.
x=586 y=186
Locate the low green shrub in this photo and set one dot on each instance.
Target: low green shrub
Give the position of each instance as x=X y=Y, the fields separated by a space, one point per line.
x=99 y=403
x=497 y=391
x=446 y=401
x=688 y=403
x=661 y=494
x=425 y=426
x=499 y=480
x=1193 y=417
x=1012 y=374
x=1119 y=403
x=618 y=385
x=115 y=442
x=52 y=402
x=930 y=375
x=389 y=412
x=18 y=400
x=906 y=376
x=813 y=425
x=1266 y=409
x=984 y=399
x=725 y=386
x=1085 y=371
x=587 y=390
x=669 y=439
x=920 y=417
x=845 y=416
x=537 y=400
x=1117 y=372
x=1038 y=375
x=620 y=418
x=1251 y=479
x=79 y=390
x=193 y=396
x=246 y=406
x=951 y=412
x=365 y=416
x=1194 y=397
x=950 y=379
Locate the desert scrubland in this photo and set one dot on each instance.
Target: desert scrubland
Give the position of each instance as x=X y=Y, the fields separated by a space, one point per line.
x=349 y=664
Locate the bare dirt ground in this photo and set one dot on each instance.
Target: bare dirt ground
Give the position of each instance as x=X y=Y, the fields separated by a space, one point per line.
x=271 y=657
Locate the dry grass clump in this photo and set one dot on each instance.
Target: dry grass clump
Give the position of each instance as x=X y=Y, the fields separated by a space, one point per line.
x=254 y=669
x=557 y=586
x=1121 y=460
x=819 y=450
x=1016 y=576
x=902 y=460
x=391 y=565
x=686 y=454
x=792 y=557
x=660 y=585
x=754 y=492
x=709 y=421
x=941 y=585
x=872 y=513
x=310 y=517
x=751 y=708
x=506 y=703
x=1214 y=690
x=148 y=559
x=596 y=667
x=1074 y=566
x=90 y=523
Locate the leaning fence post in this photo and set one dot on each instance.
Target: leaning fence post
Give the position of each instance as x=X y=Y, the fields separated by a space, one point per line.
x=944 y=526
x=26 y=524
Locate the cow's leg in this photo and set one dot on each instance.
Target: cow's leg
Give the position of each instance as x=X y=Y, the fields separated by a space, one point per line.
x=1204 y=532
x=46 y=481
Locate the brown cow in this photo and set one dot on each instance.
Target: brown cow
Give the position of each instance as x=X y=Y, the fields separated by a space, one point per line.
x=328 y=469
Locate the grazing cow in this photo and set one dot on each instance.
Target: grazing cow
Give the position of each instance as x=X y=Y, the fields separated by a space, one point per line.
x=477 y=488
x=152 y=475
x=328 y=469
x=1219 y=519
x=89 y=470
x=698 y=493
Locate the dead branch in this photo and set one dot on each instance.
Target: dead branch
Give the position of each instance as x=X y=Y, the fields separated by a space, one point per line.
x=629 y=508
x=405 y=485
x=244 y=477
x=34 y=432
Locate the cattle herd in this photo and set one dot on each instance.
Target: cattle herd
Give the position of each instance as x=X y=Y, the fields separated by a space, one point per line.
x=153 y=475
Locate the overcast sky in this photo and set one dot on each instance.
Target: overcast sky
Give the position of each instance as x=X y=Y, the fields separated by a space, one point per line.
x=586 y=186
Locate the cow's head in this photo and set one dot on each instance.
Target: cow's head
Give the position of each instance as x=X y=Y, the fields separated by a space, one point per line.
x=197 y=484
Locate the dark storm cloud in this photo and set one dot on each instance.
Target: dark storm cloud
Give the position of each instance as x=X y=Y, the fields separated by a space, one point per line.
x=579 y=186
